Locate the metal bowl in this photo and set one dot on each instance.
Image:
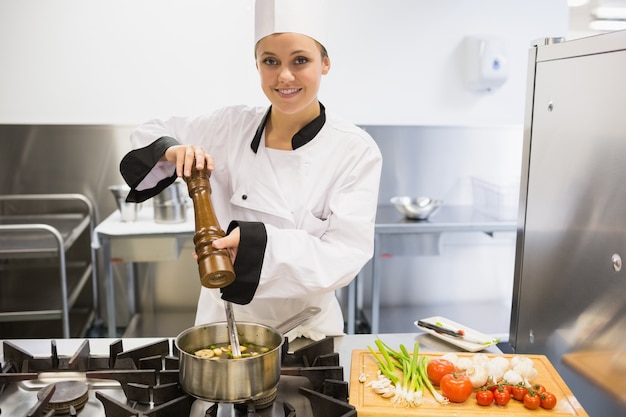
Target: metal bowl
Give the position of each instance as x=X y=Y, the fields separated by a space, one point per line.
x=416 y=208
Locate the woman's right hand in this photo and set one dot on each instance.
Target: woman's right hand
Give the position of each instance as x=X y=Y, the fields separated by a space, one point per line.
x=184 y=157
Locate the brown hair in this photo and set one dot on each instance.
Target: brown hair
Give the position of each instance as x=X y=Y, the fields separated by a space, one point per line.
x=322 y=48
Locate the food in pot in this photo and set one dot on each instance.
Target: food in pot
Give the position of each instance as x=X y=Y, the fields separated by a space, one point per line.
x=224 y=351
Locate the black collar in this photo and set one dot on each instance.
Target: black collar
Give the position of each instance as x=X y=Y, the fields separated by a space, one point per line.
x=304 y=136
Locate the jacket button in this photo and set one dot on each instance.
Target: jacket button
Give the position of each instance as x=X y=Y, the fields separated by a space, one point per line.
x=244 y=197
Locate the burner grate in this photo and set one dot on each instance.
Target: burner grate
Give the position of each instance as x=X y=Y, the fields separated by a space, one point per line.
x=149 y=379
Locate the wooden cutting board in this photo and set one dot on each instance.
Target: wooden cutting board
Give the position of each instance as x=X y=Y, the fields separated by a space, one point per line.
x=370 y=404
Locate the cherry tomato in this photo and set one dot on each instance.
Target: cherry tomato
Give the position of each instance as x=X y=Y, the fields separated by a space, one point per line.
x=456 y=387
x=518 y=392
x=491 y=385
x=484 y=397
x=548 y=400
x=531 y=400
x=502 y=396
x=538 y=388
x=437 y=368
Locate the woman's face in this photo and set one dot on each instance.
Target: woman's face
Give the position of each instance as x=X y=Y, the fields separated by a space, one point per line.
x=291 y=67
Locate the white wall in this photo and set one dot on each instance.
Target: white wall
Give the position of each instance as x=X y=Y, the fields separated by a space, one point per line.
x=124 y=61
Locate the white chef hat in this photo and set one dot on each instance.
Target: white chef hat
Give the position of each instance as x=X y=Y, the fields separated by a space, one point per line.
x=307 y=17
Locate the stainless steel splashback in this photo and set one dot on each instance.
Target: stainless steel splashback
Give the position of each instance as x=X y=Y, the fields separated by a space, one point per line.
x=440 y=161
x=63 y=159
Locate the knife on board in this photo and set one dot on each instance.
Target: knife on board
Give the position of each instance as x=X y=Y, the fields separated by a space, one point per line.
x=439 y=328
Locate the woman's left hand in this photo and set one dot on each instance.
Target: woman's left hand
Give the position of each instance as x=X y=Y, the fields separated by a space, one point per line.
x=230 y=242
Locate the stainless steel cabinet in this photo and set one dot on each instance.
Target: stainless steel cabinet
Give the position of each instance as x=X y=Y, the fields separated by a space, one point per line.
x=572 y=230
x=47 y=265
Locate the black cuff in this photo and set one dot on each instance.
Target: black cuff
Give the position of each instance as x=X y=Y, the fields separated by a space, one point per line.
x=137 y=164
x=248 y=263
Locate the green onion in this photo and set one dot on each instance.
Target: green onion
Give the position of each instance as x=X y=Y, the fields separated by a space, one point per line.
x=423 y=364
x=384 y=368
x=409 y=387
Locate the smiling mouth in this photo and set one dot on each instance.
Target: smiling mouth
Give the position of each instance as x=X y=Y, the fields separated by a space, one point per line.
x=287 y=91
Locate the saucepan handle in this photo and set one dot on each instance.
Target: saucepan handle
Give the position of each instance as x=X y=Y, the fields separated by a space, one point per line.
x=298 y=319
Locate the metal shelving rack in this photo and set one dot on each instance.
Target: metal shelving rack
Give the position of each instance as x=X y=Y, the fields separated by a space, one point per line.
x=43 y=236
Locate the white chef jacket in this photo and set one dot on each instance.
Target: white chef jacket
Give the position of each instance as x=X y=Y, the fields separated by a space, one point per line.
x=317 y=202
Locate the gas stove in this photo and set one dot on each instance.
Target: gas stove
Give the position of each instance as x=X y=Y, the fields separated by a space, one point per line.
x=136 y=377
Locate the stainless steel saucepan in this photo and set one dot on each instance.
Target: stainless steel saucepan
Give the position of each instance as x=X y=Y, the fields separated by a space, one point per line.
x=234 y=380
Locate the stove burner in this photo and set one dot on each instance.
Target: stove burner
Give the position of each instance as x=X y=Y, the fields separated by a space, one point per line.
x=261 y=403
x=66 y=394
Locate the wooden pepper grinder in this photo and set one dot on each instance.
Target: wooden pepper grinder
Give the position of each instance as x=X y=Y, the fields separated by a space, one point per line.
x=214 y=265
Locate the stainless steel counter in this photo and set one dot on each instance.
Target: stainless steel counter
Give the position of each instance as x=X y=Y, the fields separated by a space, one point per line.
x=446 y=219
x=451 y=219
x=143 y=240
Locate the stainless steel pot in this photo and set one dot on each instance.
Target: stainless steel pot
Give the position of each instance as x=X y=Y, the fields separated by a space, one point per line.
x=234 y=380
x=170 y=204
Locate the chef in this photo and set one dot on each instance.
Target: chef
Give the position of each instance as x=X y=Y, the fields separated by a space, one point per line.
x=296 y=187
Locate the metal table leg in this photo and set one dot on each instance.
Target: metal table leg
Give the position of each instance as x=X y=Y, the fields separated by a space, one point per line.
x=110 y=288
x=376 y=285
x=352 y=294
x=130 y=288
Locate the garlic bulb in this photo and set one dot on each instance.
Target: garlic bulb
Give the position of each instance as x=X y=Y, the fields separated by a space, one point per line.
x=478 y=375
